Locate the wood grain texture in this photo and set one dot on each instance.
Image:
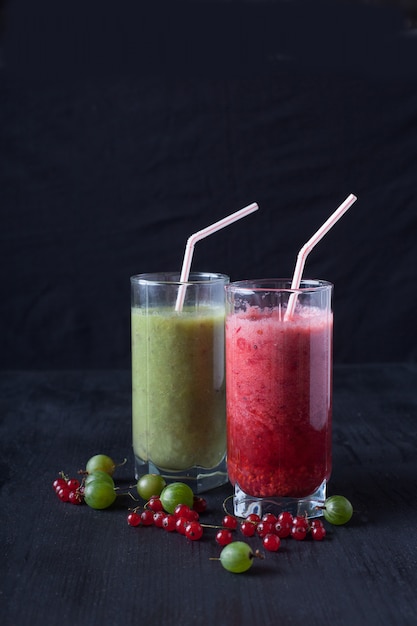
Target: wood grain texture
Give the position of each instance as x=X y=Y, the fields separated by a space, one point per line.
x=75 y=566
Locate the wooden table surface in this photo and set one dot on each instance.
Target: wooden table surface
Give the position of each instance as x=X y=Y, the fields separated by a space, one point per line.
x=72 y=565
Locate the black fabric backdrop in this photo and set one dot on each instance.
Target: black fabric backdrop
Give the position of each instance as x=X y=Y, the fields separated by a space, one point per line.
x=121 y=134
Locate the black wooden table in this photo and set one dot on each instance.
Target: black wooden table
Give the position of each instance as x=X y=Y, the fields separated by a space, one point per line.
x=71 y=565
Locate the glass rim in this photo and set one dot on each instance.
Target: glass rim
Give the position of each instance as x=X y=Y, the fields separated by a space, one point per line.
x=173 y=278
x=307 y=285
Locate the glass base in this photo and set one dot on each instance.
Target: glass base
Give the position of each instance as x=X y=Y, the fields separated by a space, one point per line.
x=200 y=479
x=244 y=504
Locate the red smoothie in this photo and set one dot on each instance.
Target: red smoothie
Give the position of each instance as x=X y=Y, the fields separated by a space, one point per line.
x=279 y=401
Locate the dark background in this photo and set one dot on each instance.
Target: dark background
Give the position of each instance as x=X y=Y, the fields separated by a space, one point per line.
x=123 y=130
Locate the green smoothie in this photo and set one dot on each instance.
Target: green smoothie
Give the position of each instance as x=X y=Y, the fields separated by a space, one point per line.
x=178 y=387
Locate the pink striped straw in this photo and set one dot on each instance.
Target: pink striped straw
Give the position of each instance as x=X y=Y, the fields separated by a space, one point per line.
x=201 y=234
x=307 y=248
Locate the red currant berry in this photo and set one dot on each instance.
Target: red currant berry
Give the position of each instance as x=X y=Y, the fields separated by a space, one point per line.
x=193 y=516
x=146 y=517
x=229 y=521
x=155 y=504
x=73 y=484
x=298 y=532
x=285 y=518
x=168 y=523
x=199 y=504
x=158 y=518
x=75 y=497
x=224 y=537
x=133 y=519
x=270 y=518
x=318 y=533
x=271 y=542
x=181 y=524
x=299 y=520
x=316 y=523
x=254 y=518
x=248 y=529
x=182 y=510
x=194 y=531
x=283 y=530
x=63 y=494
x=59 y=483
x=265 y=528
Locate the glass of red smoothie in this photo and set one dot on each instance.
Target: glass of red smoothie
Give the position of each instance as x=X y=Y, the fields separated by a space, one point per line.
x=279 y=394
x=178 y=378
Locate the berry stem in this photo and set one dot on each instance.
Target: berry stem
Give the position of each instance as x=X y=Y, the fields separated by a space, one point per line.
x=215 y=526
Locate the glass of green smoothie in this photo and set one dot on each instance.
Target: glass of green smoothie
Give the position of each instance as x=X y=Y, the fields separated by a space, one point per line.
x=178 y=377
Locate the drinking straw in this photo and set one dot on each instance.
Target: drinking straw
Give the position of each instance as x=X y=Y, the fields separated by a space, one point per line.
x=201 y=234
x=309 y=245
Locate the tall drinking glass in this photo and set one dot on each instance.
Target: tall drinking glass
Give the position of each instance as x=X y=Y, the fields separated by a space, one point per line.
x=178 y=378
x=279 y=395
